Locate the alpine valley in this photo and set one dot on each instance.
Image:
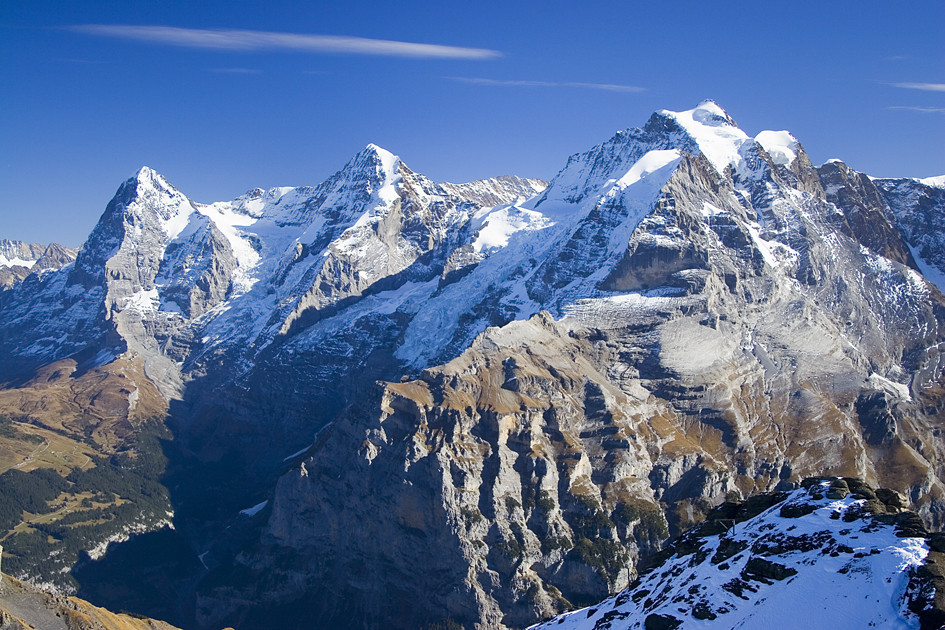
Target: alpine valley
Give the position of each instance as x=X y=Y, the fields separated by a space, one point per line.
x=388 y=402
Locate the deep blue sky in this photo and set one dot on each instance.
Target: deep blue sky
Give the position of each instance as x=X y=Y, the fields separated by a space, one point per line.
x=82 y=109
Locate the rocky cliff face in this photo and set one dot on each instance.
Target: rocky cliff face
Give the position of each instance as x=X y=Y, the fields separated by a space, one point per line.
x=917 y=207
x=496 y=191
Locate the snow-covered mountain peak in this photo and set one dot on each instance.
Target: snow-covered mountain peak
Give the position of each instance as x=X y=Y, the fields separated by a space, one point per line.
x=147 y=183
x=380 y=152
x=710 y=113
x=705 y=129
x=154 y=195
x=147 y=175
x=780 y=145
x=384 y=163
x=371 y=170
x=713 y=130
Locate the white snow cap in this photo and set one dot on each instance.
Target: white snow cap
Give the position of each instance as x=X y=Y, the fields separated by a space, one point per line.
x=936 y=182
x=150 y=177
x=390 y=171
x=780 y=145
x=717 y=135
x=387 y=158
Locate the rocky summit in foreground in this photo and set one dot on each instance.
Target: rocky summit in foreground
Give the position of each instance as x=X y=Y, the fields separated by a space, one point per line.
x=26 y=607
x=833 y=554
x=292 y=400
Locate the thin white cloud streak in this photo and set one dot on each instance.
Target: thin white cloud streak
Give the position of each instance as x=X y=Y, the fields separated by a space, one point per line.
x=236 y=70
x=925 y=110
x=609 y=87
x=242 y=40
x=928 y=87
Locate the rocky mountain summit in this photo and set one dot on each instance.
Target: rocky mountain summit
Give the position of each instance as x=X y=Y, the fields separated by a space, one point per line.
x=835 y=553
x=25 y=607
x=524 y=388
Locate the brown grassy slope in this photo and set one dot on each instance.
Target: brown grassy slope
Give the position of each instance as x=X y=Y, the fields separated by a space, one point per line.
x=26 y=607
x=73 y=415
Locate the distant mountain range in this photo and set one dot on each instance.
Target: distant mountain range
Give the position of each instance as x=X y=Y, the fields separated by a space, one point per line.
x=19 y=259
x=523 y=387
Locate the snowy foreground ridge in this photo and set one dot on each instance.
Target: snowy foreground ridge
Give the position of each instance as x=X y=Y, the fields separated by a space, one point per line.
x=819 y=557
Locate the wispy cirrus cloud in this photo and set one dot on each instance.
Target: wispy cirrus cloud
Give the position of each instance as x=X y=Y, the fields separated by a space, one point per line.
x=609 y=87
x=244 y=40
x=236 y=70
x=915 y=108
x=927 y=87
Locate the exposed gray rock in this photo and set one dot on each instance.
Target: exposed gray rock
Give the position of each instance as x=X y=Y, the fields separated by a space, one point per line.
x=918 y=210
x=496 y=190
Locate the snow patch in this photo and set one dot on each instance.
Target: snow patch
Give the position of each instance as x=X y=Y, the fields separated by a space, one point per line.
x=126 y=533
x=861 y=583
x=709 y=210
x=102 y=357
x=390 y=164
x=296 y=454
x=253 y=511
x=650 y=163
x=144 y=301
x=932 y=273
x=780 y=145
x=898 y=389
x=499 y=224
x=15 y=262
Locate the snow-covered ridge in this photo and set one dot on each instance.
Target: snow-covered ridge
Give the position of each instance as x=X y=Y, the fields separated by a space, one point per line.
x=495 y=191
x=937 y=182
x=716 y=134
x=19 y=260
x=834 y=554
x=517 y=239
x=495 y=226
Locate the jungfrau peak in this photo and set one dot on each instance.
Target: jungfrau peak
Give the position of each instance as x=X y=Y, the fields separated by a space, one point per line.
x=524 y=389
